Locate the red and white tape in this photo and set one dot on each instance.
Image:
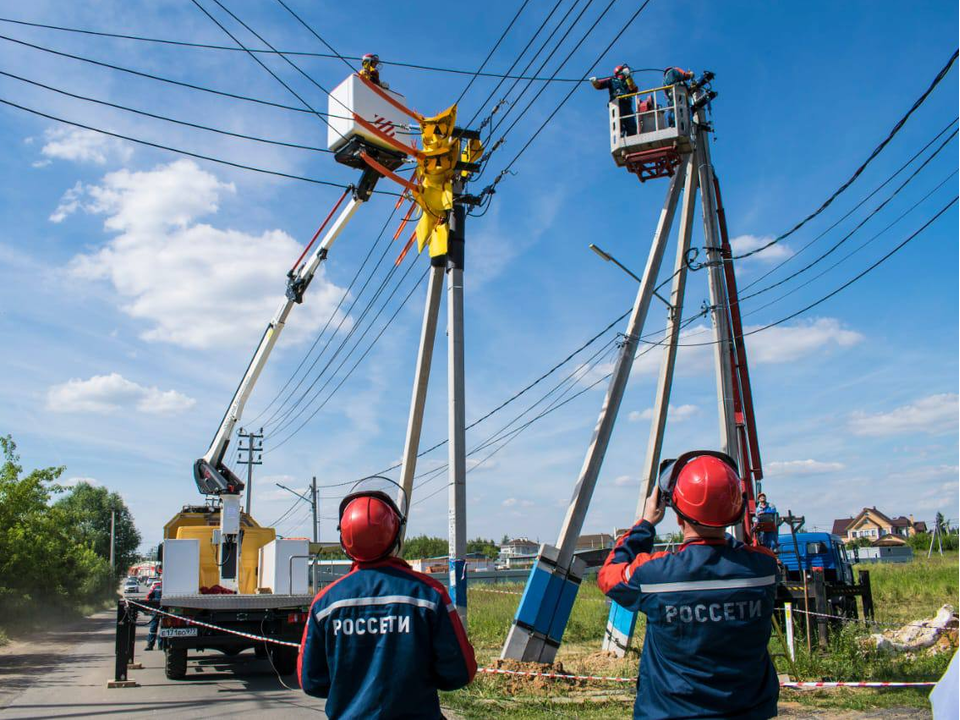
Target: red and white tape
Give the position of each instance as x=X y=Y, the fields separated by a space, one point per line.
x=865 y=621
x=191 y=621
x=606 y=678
x=498 y=592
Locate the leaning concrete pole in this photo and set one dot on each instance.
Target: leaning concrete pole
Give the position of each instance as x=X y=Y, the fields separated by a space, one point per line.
x=553 y=583
x=621 y=622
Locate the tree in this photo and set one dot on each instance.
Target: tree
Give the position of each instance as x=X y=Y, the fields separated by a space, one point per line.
x=487 y=547
x=40 y=558
x=423 y=546
x=88 y=510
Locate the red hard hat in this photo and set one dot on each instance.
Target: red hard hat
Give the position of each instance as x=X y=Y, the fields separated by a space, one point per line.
x=706 y=489
x=371 y=58
x=370 y=525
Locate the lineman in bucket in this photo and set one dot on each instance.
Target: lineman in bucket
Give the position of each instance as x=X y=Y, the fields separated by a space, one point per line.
x=383 y=639
x=709 y=604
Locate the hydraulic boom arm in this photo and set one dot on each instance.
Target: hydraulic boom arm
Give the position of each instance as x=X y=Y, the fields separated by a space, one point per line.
x=210 y=473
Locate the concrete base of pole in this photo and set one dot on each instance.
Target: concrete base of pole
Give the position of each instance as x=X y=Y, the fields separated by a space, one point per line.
x=544 y=609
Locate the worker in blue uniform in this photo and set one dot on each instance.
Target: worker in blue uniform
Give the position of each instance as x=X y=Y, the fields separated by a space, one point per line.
x=155 y=594
x=708 y=604
x=383 y=639
x=674 y=76
x=619 y=84
x=766 y=522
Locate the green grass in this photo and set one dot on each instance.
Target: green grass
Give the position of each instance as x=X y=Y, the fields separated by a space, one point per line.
x=901 y=593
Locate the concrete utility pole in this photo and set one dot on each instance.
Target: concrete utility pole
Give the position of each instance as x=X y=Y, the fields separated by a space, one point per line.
x=552 y=588
x=456 y=420
x=113 y=536
x=254 y=445
x=316 y=527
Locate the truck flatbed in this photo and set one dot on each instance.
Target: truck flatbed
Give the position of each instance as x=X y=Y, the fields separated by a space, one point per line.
x=235 y=602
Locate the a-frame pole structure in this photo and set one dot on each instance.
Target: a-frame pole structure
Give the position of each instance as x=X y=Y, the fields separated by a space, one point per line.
x=556 y=575
x=621 y=622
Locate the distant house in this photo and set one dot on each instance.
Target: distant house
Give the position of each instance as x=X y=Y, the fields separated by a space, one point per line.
x=517 y=547
x=475 y=562
x=872 y=524
x=596 y=541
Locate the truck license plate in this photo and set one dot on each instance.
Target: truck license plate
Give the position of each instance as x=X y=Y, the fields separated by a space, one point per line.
x=178 y=632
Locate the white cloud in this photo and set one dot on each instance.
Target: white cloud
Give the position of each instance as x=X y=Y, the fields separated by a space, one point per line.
x=935 y=415
x=82 y=146
x=624 y=480
x=747 y=243
x=802 y=467
x=677 y=413
x=193 y=285
x=514 y=502
x=74 y=481
x=787 y=343
x=112 y=393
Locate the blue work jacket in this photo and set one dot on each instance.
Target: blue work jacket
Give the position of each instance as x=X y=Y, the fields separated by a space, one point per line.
x=381 y=641
x=709 y=607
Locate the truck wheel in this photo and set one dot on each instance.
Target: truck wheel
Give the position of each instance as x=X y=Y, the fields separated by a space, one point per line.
x=284 y=659
x=175 y=663
x=260 y=651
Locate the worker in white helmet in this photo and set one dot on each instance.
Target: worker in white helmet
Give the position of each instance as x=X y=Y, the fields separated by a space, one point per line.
x=370 y=69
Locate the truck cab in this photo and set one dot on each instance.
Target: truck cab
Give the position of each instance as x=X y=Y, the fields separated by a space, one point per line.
x=819 y=552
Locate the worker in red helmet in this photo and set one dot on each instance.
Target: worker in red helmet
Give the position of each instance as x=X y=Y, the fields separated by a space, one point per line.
x=383 y=639
x=619 y=84
x=708 y=604
x=674 y=76
x=370 y=69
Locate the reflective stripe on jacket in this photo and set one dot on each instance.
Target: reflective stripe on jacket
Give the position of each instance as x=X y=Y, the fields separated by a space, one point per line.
x=709 y=607
x=381 y=641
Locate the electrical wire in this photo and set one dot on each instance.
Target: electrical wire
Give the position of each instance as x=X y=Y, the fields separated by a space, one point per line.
x=294 y=53
x=187 y=153
x=563 y=102
x=492 y=51
x=859 y=225
x=164 y=118
x=315 y=34
x=546 y=60
x=526 y=47
x=876 y=151
x=360 y=360
x=854 y=208
x=160 y=78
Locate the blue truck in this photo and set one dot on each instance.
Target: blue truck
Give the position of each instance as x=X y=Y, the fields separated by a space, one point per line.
x=831 y=587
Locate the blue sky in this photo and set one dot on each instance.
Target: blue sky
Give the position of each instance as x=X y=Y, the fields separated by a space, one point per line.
x=134 y=283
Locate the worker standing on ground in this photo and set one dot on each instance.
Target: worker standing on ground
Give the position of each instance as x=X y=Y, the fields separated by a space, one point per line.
x=370 y=69
x=619 y=84
x=709 y=604
x=156 y=592
x=767 y=522
x=383 y=639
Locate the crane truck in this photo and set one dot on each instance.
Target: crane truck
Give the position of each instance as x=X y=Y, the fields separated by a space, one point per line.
x=222 y=571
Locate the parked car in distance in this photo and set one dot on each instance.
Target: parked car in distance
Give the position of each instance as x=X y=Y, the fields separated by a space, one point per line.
x=131 y=585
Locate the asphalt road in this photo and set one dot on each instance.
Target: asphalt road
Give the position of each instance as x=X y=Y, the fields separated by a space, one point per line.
x=64 y=674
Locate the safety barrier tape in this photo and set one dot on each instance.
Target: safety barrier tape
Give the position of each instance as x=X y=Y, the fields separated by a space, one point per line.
x=498 y=592
x=191 y=621
x=606 y=678
x=865 y=621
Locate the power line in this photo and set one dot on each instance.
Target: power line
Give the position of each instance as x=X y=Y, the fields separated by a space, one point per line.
x=359 y=360
x=492 y=50
x=514 y=63
x=164 y=118
x=547 y=59
x=859 y=225
x=295 y=53
x=844 y=286
x=263 y=64
x=329 y=320
x=854 y=208
x=876 y=151
x=570 y=94
x=160 y=78
x=315 y=34
x=168 y=148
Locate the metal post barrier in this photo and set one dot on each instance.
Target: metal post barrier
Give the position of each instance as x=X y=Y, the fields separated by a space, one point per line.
x=788 y=622
x=125 y=625
x=820 y=602
x=132 y=614
x=866 y=594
